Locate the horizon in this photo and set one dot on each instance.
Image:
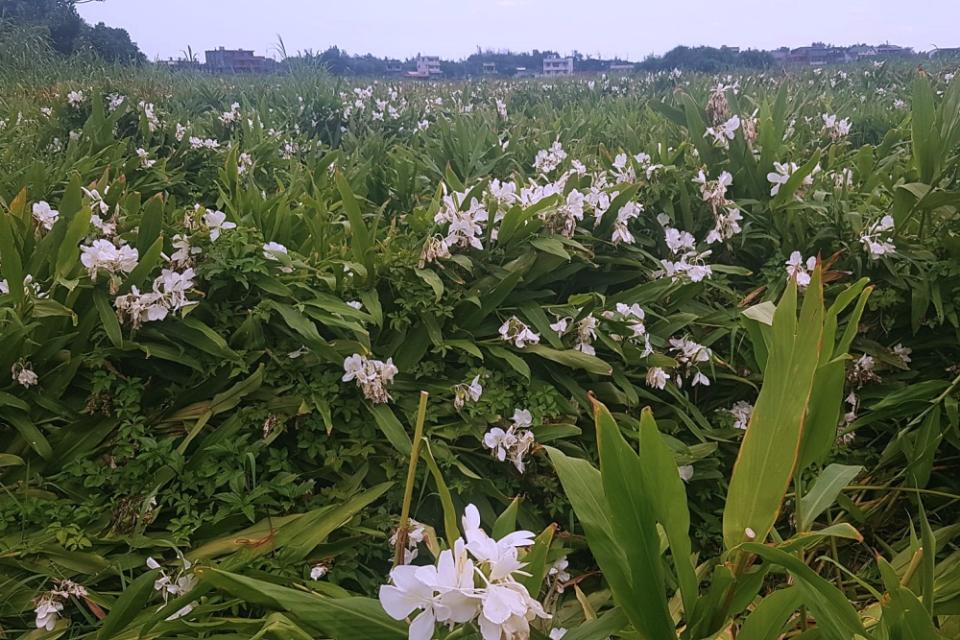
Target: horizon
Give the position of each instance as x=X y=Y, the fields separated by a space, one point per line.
x=433 y=27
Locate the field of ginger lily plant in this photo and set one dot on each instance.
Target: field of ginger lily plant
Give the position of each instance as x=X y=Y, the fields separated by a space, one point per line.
x=644 y=357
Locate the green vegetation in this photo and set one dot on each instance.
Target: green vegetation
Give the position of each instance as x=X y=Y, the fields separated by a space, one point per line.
x=686 y=346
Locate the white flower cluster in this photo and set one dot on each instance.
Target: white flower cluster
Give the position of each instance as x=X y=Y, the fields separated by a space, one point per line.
x=621 y=232
x=276 y=252
x=203 y=143
x=145 y=161
x=690 y=355
x=834 y=127
x=688 y=263
x=547 y=160
x=48 y=606
x=514 y=443
x=473 y=581
x=150 y=115
x=465 y=222
x=104 y=255
x=725 y=212
x=878 y=239
x=44 y=215
x=169 y=294
x=724 y=132
x=181 y=583
x=800 y=270
x=372 y=376
x=633 y=317
x=517 y=333
x=863 y=371
x=230 y=118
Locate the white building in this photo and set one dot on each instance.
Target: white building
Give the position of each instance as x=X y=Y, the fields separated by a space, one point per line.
x=428 y=66
x=557 y=66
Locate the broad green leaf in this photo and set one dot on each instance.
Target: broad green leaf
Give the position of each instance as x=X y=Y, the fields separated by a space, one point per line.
x=351 y=618
x=824 y=492
x=632 y=520
x=767 y=619
x=770 y=448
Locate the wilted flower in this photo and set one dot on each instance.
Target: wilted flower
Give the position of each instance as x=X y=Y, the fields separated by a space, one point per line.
x=145 y=161
x=517 y=333
x=464 y=392
x=75 y=98
x=586 y=334
x=686 y=472
x=318 y=571
x=415 y=534
x=657 y=378
x=23 y=374
x=863 y=371
x=741 y=412
x=902 y=353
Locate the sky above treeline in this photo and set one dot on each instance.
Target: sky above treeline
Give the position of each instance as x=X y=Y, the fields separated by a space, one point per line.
x=454 y=29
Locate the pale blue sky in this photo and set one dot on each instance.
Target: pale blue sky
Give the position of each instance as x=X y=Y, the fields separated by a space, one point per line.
x=454 y=28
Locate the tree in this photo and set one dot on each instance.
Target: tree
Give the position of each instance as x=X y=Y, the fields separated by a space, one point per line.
x=67 y=31
x=112 y=44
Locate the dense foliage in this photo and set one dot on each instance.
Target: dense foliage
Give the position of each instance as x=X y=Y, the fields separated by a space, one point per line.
x=222 y=299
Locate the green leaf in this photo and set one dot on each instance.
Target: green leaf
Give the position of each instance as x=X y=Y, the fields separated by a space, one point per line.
x=834 y=613
x=572 y=358
x=668 y=494
x=360 y=236
x=769 y=616
x=151 y=223
x=68 y=255
x=390 y=426
x=824 y=492
x=770 y=448
x=632 y=522
x=350 y=618
x=129 y=605
x=108 y=319
x=451 y=529
x=11 y=265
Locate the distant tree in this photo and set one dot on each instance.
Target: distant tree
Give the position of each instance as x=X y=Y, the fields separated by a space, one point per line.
x=67 y=31
x=111 y=44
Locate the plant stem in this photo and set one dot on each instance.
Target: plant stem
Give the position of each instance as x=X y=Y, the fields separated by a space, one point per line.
x=411 y=478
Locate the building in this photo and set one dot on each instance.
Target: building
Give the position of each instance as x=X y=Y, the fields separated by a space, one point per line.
x=222 y=60
x=522 y=72
x=893 y=51
x=621 y=67
x=428 y=66
x=557 y=66
x=953 y=52
x=818 y=54
x=489 y=68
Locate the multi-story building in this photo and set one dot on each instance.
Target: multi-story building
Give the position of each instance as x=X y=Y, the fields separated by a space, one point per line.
x=557 y=66
x=222 y=60
x=428 y=66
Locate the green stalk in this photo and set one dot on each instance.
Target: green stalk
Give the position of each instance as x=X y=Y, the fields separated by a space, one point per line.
x=411 y=478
